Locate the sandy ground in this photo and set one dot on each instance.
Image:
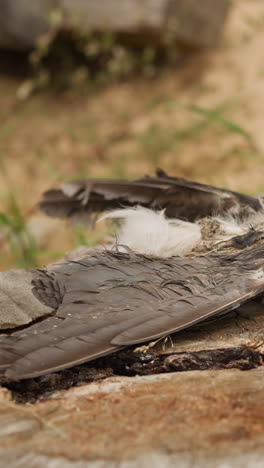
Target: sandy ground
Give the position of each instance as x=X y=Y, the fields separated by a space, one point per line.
x=128 y=129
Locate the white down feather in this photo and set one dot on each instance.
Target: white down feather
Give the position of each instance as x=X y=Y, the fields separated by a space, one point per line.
x=149 y=232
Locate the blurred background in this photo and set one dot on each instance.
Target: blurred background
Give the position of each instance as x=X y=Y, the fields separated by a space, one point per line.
x=116 y=89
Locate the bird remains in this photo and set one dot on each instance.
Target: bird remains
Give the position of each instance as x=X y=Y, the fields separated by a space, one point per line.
x=184 y=252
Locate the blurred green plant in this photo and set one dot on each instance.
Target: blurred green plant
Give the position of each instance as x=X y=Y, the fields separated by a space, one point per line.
x=210 y=116
x=66 y=57
x=20 y=241
x=156 y=140
x=213 y=115
x=13 y=226
x=90 y=238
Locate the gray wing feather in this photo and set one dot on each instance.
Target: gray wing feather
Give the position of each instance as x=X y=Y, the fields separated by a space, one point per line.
x=179 y=198
x=109 y=301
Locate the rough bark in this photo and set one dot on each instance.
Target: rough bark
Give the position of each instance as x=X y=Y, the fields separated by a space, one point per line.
x=198 y=24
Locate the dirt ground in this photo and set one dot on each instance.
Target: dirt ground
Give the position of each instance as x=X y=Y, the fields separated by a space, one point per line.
x=201 y=121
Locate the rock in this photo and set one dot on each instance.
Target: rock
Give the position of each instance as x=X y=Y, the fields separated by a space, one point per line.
x=190 y=419
x=197 y=24
x=18 y=305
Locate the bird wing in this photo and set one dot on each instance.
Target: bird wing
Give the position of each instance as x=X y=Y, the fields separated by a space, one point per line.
x=108 y=301
x=180 y=198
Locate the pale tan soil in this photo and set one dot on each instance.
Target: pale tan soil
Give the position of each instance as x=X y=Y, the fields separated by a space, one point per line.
x=128 y=129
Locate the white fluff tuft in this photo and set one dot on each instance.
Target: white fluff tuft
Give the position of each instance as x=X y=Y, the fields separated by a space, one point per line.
x=230 y=226
x=149 y=232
